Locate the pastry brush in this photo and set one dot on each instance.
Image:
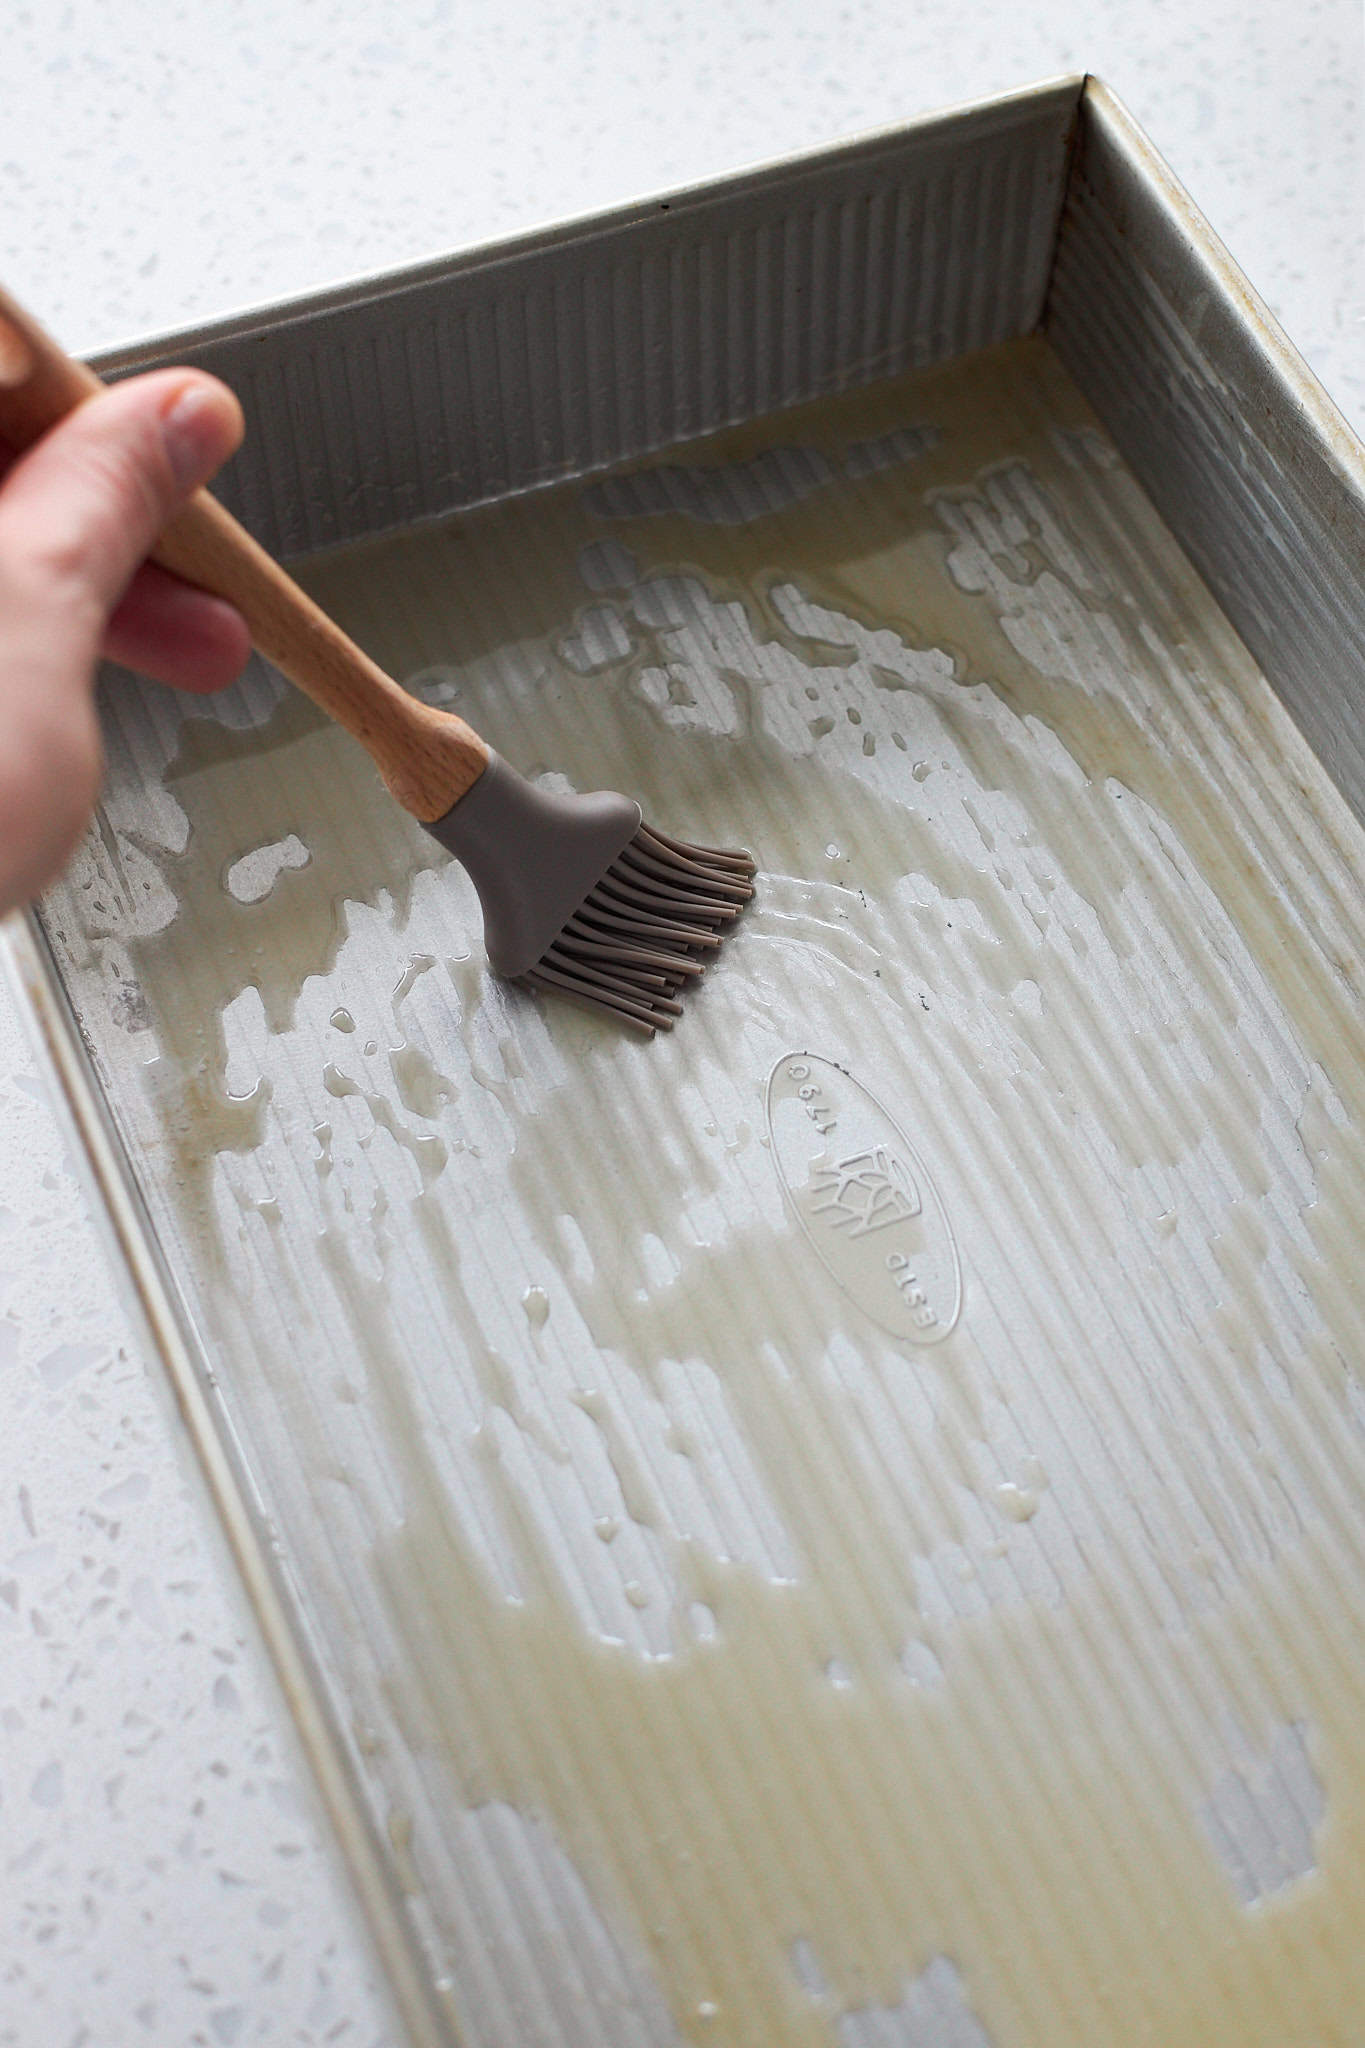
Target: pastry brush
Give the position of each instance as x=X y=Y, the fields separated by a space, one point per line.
x=580 y=897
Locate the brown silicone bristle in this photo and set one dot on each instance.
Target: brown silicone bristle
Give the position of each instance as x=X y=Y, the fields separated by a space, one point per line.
x=645 y=930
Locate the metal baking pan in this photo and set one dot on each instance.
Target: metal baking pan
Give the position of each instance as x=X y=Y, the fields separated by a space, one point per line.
x=842 y=1525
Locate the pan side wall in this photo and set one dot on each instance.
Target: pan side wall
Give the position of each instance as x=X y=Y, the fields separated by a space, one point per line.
x=1242 y=452
x=596 y=344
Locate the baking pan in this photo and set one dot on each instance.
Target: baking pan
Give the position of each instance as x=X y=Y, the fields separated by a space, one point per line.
x=841 y=1525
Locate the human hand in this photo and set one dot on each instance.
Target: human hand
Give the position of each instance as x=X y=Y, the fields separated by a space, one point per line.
x=78 y=513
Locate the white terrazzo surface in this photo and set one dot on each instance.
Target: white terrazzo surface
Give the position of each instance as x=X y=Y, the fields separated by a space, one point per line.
x=163 y=1876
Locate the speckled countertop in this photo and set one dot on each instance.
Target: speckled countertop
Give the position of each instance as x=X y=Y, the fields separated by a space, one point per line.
x=163 y=1874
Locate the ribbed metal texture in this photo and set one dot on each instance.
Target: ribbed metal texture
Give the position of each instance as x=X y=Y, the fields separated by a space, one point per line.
x=838 y=1528
x=1239 y=447
x=493 y=374
x=735 y=1625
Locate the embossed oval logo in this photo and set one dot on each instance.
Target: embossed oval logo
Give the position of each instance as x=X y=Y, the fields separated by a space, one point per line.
x=863 y=1196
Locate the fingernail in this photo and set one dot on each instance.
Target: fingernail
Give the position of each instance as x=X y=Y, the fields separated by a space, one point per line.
x=197 y=429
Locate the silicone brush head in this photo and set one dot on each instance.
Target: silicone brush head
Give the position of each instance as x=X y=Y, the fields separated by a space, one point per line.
x=580 y=897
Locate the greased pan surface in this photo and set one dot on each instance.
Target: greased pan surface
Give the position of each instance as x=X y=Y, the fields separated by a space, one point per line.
x=837 y=1526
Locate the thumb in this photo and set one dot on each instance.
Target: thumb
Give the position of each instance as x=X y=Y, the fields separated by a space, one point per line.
x=80 y=510
x=77 y=514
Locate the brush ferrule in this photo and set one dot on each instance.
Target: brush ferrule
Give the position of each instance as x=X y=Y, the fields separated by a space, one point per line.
x=533 y=854
x=579 y=896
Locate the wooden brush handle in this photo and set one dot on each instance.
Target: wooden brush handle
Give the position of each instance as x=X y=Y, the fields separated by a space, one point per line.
x=428 y=758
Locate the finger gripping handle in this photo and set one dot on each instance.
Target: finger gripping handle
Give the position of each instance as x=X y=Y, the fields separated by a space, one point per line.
x=428 y=758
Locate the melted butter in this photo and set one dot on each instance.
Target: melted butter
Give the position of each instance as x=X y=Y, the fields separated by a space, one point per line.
x=1046 y=868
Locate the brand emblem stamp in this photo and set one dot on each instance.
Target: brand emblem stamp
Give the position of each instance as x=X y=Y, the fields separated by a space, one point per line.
x=864 y=1198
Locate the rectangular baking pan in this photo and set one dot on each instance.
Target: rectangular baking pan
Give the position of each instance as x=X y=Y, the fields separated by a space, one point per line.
x=1116 y=1461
